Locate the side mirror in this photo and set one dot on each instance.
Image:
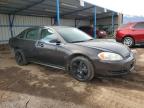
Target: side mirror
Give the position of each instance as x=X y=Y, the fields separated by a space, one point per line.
x=58 y=42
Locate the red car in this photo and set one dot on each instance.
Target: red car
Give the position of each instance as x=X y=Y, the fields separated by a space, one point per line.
x=131 y=34
x=89 y=30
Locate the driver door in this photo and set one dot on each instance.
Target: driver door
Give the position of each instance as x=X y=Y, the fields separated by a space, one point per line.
x=46 y=48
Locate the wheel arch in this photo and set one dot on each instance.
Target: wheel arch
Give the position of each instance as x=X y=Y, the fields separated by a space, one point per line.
x=76 y=55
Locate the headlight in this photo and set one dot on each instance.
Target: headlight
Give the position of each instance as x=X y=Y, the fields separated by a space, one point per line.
x=101 y=32
x=109 y=56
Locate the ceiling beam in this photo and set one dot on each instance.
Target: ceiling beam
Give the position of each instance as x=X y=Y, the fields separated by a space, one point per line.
x=72 y=12
x=27 y=7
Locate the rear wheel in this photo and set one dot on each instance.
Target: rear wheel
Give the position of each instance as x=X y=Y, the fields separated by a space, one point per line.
x=128 y=41
x=81 y=69
x=20 y=57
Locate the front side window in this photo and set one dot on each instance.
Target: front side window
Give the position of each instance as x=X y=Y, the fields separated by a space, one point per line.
x=48 y=36
x=139 y=26
x=32 y=34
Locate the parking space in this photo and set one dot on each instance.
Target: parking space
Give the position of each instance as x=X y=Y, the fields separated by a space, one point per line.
x=35 y=86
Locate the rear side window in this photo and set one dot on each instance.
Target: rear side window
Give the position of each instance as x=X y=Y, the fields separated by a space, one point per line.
x=22 y=34
x=139 y=26
x=32 y=34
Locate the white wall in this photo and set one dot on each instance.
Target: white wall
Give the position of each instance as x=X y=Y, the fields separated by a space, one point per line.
x=23 y=22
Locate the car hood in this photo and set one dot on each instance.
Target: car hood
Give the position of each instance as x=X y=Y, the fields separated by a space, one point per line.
x=107 y=45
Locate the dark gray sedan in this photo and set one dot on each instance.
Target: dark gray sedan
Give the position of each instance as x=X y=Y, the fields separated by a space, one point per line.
x=70 y=49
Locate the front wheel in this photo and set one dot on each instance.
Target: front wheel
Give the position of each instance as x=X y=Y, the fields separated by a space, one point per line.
x=128 y=41
x=81 y=69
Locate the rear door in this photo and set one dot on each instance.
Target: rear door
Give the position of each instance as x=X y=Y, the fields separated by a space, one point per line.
x=138 y=32
x=29 y=42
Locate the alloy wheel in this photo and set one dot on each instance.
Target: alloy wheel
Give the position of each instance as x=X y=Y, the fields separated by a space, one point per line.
x=80 y=69
x=19 y=57
x=128 y=41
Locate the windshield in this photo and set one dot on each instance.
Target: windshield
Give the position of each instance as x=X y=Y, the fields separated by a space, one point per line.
x=73 y=35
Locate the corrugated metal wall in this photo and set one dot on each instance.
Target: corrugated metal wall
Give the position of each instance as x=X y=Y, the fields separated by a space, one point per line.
x=23 y=22
x=4 y=29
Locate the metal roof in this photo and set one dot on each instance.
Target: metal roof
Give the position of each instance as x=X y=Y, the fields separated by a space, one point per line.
x=68 y=8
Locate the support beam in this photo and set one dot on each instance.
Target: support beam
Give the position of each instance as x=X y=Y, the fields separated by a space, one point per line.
x=51 y=21
x=94 y=20
x=75 y=22
x=113 y=14
x=11 y=21
x=78 y=22
x=120 y=19
x=58 y=12
x=27 y=7
x=72 y=12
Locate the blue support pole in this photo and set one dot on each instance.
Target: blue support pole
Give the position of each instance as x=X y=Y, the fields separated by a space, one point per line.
x=113 y=22
x=58 y=11
x=94 y=24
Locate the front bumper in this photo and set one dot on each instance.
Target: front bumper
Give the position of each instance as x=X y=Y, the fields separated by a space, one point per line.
x=116 y=68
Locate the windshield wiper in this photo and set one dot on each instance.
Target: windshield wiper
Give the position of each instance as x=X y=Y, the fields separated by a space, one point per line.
x=78 y=41
x=90 y=39
x=81 y=41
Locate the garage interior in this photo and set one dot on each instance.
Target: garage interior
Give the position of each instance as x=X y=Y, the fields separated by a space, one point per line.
x=17 y=15
x=35 y=86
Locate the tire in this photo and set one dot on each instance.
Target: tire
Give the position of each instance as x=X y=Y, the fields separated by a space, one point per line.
x=20 y=58
x=81 y=69
x=129 y=41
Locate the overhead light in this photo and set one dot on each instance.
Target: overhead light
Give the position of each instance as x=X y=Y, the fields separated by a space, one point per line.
x=99 y=12
x=82 y=15
x=48 y=10
x=69 y=5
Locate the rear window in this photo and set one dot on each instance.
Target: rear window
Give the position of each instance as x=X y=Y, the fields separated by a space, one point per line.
x=125 y=25
x=139 y=26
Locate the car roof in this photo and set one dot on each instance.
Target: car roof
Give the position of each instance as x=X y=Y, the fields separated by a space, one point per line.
x=57 y=27
x=131 y=23
x=54 y=27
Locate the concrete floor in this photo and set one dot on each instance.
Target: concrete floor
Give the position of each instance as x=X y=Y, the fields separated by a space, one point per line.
x=35 y=86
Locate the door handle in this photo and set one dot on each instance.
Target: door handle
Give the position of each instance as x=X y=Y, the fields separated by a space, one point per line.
x=40 y=44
